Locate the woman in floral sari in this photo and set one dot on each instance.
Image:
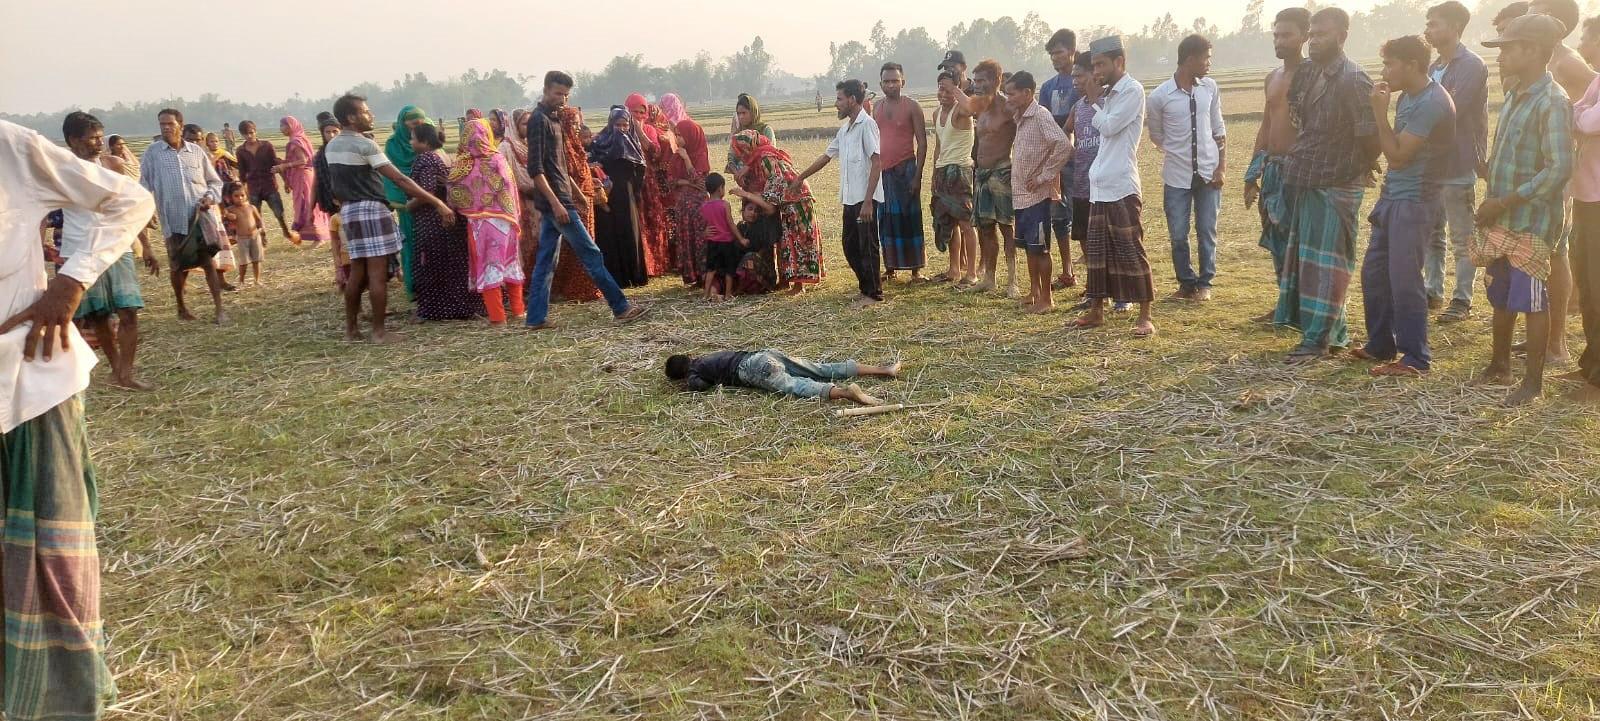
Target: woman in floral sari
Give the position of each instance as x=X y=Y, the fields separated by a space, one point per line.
x=483 y=191
x=689 y=170
x=299 y=177
x=572 y=283
x=763 y=173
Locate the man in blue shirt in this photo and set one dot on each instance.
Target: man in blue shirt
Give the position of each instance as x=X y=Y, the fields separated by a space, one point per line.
x=1462 y=73
x=1419 y=152
x=1058 y=95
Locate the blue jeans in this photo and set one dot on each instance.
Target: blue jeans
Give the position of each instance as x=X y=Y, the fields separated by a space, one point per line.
x=1457 y=201
x=550 y=235
x=1204 y=201
x=1396 y=298
x=778 y=372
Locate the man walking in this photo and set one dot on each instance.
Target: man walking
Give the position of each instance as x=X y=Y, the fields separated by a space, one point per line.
x=559 y=219
x=1461 y=73
x=1185 y=121
x=1059 y=94
x=1114 y=251
x=117 y=290
x=183 y=180
x=1420 y=149
x=55 y=645
x=904 y=132
x=1275 y=138
x=857 y=146
x=1040 y=152
x=1326 y=172
x=1523 y=219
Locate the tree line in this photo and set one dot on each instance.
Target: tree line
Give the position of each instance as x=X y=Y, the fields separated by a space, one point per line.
x=1152 y=51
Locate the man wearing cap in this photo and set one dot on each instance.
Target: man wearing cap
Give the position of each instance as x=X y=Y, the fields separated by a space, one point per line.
x=1114 y=248
x=1570 y=72
x=1523 y=218
x=956 y=62
x=1324 y=176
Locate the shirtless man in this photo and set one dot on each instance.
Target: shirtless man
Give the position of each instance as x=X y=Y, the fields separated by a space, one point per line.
x=1574 y=76
x=1264 y=179
x=992 y=210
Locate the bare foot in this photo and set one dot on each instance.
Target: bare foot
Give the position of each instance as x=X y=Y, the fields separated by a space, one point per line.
x=1144 y=328
x=984 y=287
x=184 y=314
x=860 y=396
x=1012 y=291
x=1491 y=376
x=354 y=337
x=223 y=319
x=131 y=383
x=1041 y=308
x=1587 y=394
x=796 y=289
x=1572 y=375
x=1523 y=395
x=893 y=370
x=388 y=338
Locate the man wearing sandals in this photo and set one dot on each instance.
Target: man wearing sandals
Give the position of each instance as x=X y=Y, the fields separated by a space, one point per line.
x=1419 y=149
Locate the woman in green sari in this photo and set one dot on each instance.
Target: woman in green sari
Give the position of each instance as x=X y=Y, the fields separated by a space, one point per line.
x=402 y=155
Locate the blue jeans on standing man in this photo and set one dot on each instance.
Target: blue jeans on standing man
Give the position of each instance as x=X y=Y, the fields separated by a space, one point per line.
x=1204 y=201
x=1457 y=203
x=550 y=235
x=1394 y=292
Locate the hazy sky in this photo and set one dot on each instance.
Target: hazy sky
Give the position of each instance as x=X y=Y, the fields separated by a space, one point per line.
x=96 y=52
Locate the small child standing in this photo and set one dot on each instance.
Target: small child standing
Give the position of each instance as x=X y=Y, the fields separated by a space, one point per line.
x=723 y=241
x=245 y=229
x=341 y=257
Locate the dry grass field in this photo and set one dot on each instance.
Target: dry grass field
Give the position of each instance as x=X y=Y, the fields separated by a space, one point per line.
x=484 y=523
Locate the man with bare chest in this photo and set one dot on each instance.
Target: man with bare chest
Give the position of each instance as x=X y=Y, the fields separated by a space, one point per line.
x=1264 y=179
x=992 y=209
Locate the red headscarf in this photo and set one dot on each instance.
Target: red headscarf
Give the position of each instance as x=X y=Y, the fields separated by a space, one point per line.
x=694 y=142
x=639 y=108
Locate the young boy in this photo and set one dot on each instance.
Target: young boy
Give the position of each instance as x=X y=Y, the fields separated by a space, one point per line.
x=245 y=229
x=723 y=240
x=1418 y=149
x=1523 y=216
x=776 y=372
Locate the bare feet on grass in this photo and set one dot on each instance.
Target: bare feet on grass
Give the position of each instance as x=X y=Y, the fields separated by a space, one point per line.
x=1587 y=394
x=1492 y=376
x=1524 y=394
x=854 y=393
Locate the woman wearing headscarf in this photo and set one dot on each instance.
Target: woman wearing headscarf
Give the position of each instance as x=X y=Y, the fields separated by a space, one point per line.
x=222 y=159
x=299 y=177
x=763 y=174
x=571 y=282
x=747 y=116
x=672 y=107
x=442 y=260
x=655 y=227
x=399 y=151
x=514 y=148
x=483 y=191
x=617 y=226
x=689 y=170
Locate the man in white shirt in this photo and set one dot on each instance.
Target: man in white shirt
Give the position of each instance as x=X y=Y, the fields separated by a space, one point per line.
x=54 y=644
x=1185 y=121
x=182 y=178
x=1114 y=250
x=856 y=146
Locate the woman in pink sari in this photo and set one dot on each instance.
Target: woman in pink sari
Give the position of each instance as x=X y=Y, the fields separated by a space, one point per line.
x=309 y=220
x=483 y=190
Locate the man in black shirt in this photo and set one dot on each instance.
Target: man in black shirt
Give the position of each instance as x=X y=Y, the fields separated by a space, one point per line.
x=777 y=372
x=547 y=166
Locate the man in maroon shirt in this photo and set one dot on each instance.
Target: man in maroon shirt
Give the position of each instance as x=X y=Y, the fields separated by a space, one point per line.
x=903 y=129
x=256 y=159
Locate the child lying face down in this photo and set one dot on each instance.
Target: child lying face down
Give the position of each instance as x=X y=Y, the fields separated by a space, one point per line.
x=776 y=372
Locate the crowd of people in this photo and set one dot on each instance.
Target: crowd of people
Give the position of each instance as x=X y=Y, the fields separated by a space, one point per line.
x=1016 y=163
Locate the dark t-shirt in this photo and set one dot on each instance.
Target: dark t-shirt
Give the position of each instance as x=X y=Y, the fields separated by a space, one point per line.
x=714 y=369
x=547 y=156
x=763 y=233
x=255 y=166
x=353 y=162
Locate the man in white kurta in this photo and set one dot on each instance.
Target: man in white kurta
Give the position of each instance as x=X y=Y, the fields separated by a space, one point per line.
x=54 y=645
